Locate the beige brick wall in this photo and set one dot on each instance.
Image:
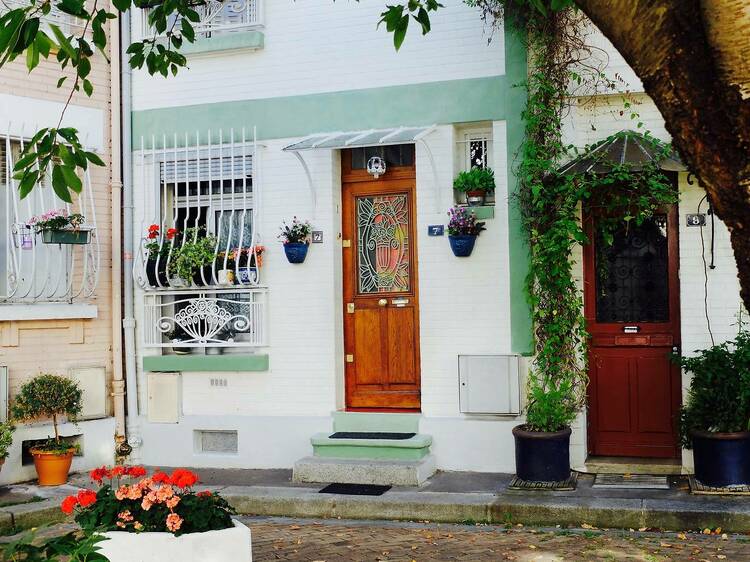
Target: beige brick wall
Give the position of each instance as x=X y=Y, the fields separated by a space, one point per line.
x=59 y=345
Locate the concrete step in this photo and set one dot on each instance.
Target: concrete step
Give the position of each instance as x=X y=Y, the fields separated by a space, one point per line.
x=411 y=449
x=367 y=421
x=364 y=471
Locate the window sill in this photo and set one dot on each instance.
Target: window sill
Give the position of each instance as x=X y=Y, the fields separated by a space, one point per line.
x=252 y=40
x=47 y=311
x=209 y=363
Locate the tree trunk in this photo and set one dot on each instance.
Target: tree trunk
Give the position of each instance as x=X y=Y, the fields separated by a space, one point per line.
x=693 y=58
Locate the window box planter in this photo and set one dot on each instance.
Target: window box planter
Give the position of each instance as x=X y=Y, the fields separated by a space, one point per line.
x=462 y=244
x=156 y=273
x=296 y=252
x=227 y=545
x=80 y=235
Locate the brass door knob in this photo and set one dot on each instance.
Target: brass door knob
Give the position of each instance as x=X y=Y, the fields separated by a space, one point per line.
x=382 y=302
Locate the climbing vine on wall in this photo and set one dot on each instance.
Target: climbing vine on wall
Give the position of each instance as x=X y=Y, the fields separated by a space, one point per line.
x=551 y=202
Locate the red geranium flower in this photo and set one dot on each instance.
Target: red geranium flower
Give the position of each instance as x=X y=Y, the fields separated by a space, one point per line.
x=135 y=471
x=86 y=497
x=160 y=477
x=118 y=470
x=68 y=505
x=183 y=478
x=99 y=474
x=205 y=494
x=171 y=233
x=153 y=231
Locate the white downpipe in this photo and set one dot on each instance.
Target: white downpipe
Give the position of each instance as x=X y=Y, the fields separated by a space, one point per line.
x=128 y=323
x=118 y=383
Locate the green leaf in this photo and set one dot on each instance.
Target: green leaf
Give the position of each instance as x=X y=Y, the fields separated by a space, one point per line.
x=187 y=30
x=71 y=178
x=28 y=182
x=424 y=20
x=61 y=80
x=94 y=158
x=27 y=35
x=32 y=57
x=43 y=44
x=63 y=41
x=121 y=5
x=25 y=161
x=88 y=87
x=399 y=33
x=59 y=185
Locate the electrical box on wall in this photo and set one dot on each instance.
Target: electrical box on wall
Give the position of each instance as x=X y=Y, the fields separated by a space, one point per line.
x=93 y=384
x=489 y=384
x=163 y=397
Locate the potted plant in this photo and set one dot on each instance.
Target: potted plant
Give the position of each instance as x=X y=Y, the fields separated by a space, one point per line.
x=192 y=260
x=715 y=419
x=463 y=230
x=177 y=336
x=157 y=254
x=60 y=227
x=141 y=515
x=6 y=440
x=250 y=260
x=475 y=184
x=50 y=396
x=296 y=240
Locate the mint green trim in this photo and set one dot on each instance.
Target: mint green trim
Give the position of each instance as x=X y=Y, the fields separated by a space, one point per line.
x=229 y=41
x=208 y=363
x=379 y=449
x=484 y=212
x=453 y=101
x=521 y=339
x=373 y=421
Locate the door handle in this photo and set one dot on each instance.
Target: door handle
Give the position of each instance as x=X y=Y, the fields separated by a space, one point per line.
x=382 y=302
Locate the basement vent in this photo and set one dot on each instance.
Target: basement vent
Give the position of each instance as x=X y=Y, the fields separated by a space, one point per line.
x=213 y=441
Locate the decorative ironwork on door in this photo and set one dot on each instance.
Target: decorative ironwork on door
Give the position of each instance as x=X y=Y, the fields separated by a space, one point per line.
x=632 y=273
x=383 y=261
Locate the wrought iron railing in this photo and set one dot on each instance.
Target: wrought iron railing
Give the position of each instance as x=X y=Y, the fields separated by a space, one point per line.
x=207 y=318
x=37 y=270
x=68 y=24
x=217 y=17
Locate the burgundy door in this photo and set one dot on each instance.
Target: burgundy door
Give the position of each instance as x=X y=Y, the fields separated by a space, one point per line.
x=631 y=296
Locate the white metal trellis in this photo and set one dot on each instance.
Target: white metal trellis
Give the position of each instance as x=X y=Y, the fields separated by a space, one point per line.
x=35 y=272
x=218 y=16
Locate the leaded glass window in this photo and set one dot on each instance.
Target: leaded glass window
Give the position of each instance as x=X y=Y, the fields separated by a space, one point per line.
x=383 y=260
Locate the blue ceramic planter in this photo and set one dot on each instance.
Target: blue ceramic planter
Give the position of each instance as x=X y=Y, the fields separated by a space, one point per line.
x=295 y=252
x=462 y=244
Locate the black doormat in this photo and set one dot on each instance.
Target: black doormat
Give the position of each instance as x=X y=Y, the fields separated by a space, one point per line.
x=561 y=486
x=371 y=435
x=697 y=487
x=355 y=489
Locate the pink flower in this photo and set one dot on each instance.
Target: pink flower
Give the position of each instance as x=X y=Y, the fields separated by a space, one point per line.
x=174 y=522
x=121 y=493
x=146 y=504
x=172 y=502
x=125 y=516
x=164 y=493
x=138 y=526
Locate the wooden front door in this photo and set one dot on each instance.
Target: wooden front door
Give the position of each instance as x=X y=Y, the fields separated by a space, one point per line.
x=381 y=303
x=632 y=313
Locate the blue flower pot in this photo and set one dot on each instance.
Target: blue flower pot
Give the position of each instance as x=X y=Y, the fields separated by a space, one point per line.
x=462 y=244
x=296 y=252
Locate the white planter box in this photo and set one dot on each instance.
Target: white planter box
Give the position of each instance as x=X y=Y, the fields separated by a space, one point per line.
x=228 y=545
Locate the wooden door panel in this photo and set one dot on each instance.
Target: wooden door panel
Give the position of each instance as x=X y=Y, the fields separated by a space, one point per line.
x=381 y=308
x=631 y=305
x=653 y=380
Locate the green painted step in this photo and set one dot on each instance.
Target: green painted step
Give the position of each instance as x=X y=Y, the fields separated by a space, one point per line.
x=414 y=448
x=366 y=421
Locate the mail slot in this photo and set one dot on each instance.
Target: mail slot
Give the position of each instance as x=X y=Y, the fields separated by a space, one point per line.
x=400 y=302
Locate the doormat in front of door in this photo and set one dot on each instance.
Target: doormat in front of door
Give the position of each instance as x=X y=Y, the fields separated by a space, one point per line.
x=371 y=435
x=631 y=482
x=701 y=489
x=567 y=485
x=355 y=489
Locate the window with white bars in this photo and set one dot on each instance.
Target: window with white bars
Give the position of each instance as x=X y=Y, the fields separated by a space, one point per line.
x=474 y=150
x=217 y=17
x=34 y=269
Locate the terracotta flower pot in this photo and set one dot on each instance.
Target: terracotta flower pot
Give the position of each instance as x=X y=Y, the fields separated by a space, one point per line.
x=52 y=468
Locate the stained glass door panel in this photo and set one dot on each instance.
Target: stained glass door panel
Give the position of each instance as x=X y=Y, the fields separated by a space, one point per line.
x=383 y=261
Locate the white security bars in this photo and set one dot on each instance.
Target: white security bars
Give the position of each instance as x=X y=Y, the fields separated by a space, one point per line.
x=35 y=268
x=200 y=261
x=67 y=23
x=218 y=17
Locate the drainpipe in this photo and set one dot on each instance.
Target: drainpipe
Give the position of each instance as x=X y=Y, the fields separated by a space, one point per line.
x=118 y=384
x=128 y=323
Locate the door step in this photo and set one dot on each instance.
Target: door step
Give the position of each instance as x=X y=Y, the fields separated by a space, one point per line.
x=379 y=448
x=631 y=482
x=364 y=471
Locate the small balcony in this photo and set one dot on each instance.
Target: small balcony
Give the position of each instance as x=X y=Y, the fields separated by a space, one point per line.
x=218 y=17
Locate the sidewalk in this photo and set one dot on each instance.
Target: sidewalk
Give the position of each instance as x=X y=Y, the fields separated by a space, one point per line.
x=450 y=497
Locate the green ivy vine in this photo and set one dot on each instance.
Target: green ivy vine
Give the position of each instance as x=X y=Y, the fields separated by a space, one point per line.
x=551 y=204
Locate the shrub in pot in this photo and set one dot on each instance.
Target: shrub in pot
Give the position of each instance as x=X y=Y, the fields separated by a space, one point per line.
x=193 y=257
x=475 y=184
x=6 y=440
x=158 y=517
x=50 y=396
x=296 y=239
x=463 y=230
x=715 y=419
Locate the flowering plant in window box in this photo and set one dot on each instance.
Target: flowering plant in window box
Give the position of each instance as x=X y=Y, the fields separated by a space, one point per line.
x=476 y=184
x=142 y=514
x=296 y=239
x=60 y=227
x=239 y=265
x=157 y=252
x=463 y=230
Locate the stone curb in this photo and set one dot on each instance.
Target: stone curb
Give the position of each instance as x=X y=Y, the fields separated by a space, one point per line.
x=20 y=517
x=448 y=507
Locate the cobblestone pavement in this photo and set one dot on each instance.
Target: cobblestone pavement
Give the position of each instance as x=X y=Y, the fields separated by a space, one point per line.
x=354 y=541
